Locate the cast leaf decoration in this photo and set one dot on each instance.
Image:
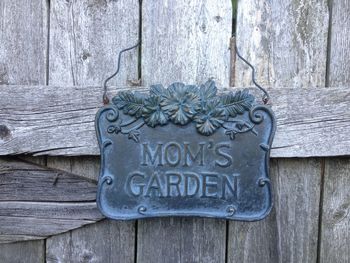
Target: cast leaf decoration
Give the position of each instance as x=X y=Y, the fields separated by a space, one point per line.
x=237 y=103
x=207 y=92
x=182 y=104
x=131 y=103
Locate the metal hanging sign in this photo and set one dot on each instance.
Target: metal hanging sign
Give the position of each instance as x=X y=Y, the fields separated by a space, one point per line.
x=185 y=150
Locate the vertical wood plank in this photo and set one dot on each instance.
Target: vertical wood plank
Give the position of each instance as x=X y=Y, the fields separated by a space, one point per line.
x=335 y=227
x=338 y=63
x=28 y=252
x=184 y=41
x=335 y=234
x=23 y=57
x=287 y=43
x=23 y=38
x=289 y=233
x=106 y=241
x=85 y=38
x=285 y=40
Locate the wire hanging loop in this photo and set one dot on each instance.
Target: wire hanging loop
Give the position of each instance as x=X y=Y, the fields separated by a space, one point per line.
x=266 y=96
x=104 y=96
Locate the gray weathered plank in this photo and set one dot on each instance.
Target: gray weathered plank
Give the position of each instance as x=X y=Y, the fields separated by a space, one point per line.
x=60 y=121
x=28 y=252
x=184 y=41
x=23 y=38
x=181 y=240
x=85 y=38
x=21 y=181
x=335 y=234
x=37 y=202
x=297 y=196
x=82 y=211
x=281 y=236
x=286 y=41
x=104 y=241
x=339 y=46
x=100 y=242
x=289 y=39
x=23 y=60
x=335 y=227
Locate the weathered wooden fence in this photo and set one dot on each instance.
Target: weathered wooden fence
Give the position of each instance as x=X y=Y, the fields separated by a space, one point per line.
x=53 y=58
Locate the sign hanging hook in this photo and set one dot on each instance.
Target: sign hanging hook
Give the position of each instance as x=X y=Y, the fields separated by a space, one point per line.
x=104 y=96
x=266 y=96
x=265 y=99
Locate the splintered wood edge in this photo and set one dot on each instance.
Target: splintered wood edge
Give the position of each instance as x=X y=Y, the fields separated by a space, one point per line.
x=63 y=202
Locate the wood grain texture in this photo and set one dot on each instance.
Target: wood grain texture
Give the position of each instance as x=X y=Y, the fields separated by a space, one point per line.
x=85 y=39
x=21 y=181
x=181 y=240
x=106 y=241
x=60 y=121
x=287 y=43
x=184 y=41
x=285 y=40
x=281 y=236
x=23 y=60
x=335 y=227
x=37 y=202
x=28 y=252
x=335 y=234
x=339 y=46
x=23 y=38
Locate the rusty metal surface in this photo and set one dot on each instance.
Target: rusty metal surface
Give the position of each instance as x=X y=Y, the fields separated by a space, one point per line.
x=185 y=151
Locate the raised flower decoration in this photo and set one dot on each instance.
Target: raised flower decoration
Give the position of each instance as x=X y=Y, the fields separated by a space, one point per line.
x=182 y=104
x=211 y=118
x=153 y=113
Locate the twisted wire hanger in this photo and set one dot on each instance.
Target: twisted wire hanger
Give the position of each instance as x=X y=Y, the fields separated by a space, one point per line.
x=266 y=96
x=104 y=96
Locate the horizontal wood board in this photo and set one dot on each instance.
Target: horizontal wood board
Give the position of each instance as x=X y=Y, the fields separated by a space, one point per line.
x=37 y=202
x=60 y=120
